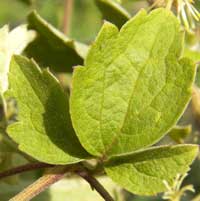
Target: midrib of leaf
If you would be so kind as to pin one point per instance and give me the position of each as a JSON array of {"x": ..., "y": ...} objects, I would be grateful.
[{"x": 115, "y": 138}]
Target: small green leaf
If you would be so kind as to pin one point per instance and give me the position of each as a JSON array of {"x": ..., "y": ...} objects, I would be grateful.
[
  {"x": 134, "y": 86},
  {"x": 44, "y": 129},
  {"x": 113, "y": 12},
  {"x": 144, "y": 172},
  {"x": 179, "y": 133},
  {"x": 12, "y": 42},
  {"x": 52, "y": 48}
]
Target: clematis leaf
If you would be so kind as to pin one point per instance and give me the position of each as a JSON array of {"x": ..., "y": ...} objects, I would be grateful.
[
  {"x": 121, "y": 99},
  {"x": 144, "y": 172},
  {"x": 43, "y": 129},
  {"x": 113, "y": 12},
  {"x": 52, "y": 48}
]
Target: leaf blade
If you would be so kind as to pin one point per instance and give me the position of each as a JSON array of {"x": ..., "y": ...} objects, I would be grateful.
[
  {"x": 113, "y": 12},
  {"x": 44, "y": 129},
  {"x": 121, "y": 100},
  {"x": 143, "y": 172},
  {"x": 52, "y": 48}
]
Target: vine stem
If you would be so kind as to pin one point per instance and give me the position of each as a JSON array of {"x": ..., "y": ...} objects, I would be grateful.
[
  {"x": 24, "y": 168},
  {"x": 95, "y": 184},
  {"x": 68, "y": 7},
  {"x": 52, "y": 176},
  {"x": 169, "y": 4}
]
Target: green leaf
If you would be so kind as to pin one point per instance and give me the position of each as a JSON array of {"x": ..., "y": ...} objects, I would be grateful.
[
  {"x": 44, "y": 129},
  {"x": 144, "y": 172},
  {"x": 113, "y": 12},
  {"x": 12, "y": 42},
  {"x": 134, "y": 86},
  {"x": 179, "y": 133},
  {"x": 52, "y": 48}
]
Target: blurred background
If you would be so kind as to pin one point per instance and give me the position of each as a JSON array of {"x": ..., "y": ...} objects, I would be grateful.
[
  {"x": 85, "y": 17},
  {"x": 83, "y": 24}
]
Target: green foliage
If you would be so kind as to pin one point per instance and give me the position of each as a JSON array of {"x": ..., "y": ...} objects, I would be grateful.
[
  {"x": 125, "y": 89},
  {"x": 129, "y": 89},
  {"x": 113, "y": 12},
  {"x": 51, "y": 46},
  {"x": 144, "y": 172},
  {"x": 44, "y": 129}
]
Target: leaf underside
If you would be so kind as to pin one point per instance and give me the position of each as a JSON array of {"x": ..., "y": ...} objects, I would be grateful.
[
  {"x": 143, "y": 173},
  {"x": 43, "y": 129},
  {"x": 133, "y": 87},
  {"x": 113, "y": 12},
  {"x": 52, "y": 48}
]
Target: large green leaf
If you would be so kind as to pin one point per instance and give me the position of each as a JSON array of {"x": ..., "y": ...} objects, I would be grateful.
[
  {"x": 12, "y": 42},
  {"x": 44, "y": 129},
  {"x": 144, "y": 172},
  {"x": 52, "y": 48},
  {"x": 134, "y": 86},
  {"x": 113, "y": 12}
]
